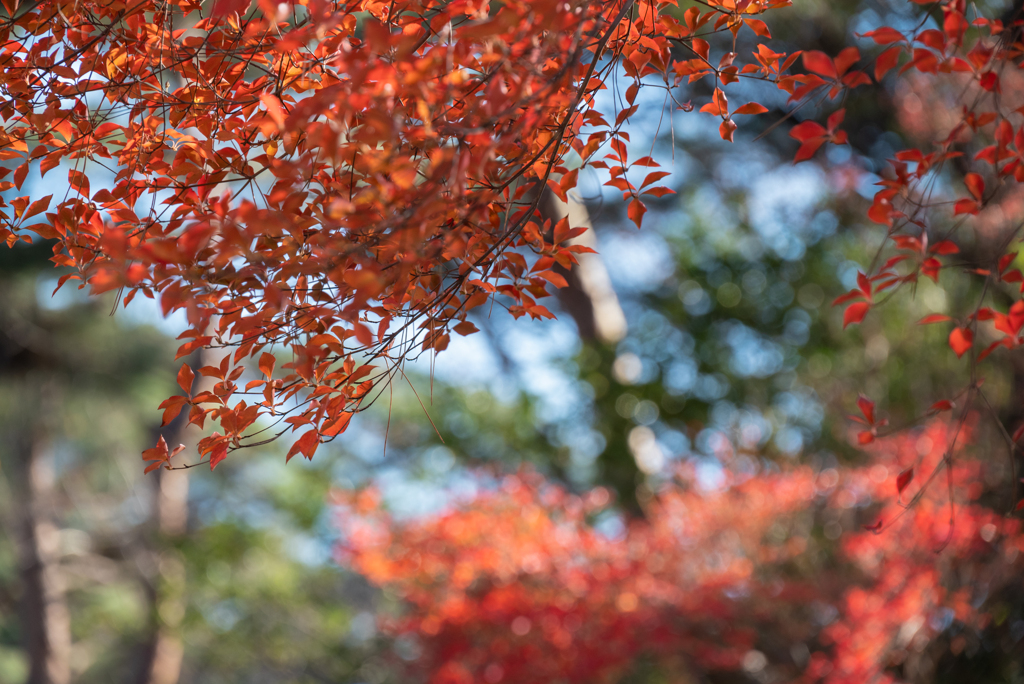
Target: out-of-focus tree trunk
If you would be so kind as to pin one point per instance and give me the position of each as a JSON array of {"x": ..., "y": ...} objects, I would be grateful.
[
  {"x": 590, "y": 298},
  {"x": 45, "y": 618},
  {"x": 166, "y": 584}
]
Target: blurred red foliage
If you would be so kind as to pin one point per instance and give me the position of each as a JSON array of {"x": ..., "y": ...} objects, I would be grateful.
[{"x": 517, "y": 585}]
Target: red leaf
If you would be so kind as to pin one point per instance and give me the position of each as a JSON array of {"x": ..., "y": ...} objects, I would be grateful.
[
  {"x": 975, "y": 185},
  {"x": 267, "y": 361},
  {"x": 306, "y": 445},
  {"x": 903, "y": 479},
  {"x": 20, "y": 174},
  {"x": 867, "y": 407},
  {"x": 835, "y": 119},
  {"x": 185, "y": 378},
  {"x": 807, "y": 130},
  {"x": 876, "y": 528},
  {"x": 37, "y": 207},
  {"x": 846, "y": 59},
  {"x": 884, "y": 35},
  {"x": 636, "y": 211},
  {"x": 654, "y": 177},
  {"x": 865, "y": 437},
  {"x": 219, "y": 453},
  {"x": 855, "y": 313},
  {"x": 864, "y": 283},
  {"x": 751, "y": 108},
  {"x": 157, "y": 453},
  {"x": 887, "y": 61},
  {"x": 933, "y": 318},
  {"x": 758, "y": 27},
  {"x": 944, "y": 247},
  {"x": 467, "y": 328},
  {"x": 961, "y": 340},
  {"x": 852, "y": 294},
  {"x": 939, "y": 406},
  {"x": 172, "y": 407},
  {"x": 808, "y": 149},
  {"x": 965, "y": 206},
  {"x": 819, "y": 63},
  {"x": 555, "y": 279},
  {"x": 726, "y": 129},
  {"x": 719, "y": 106},
  {"x": 223, "y": 8}
]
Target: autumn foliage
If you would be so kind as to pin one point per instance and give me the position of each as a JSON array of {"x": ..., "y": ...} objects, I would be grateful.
[
  {"x": 517, "y": 585},
  {"x": 342, "y": 182}
]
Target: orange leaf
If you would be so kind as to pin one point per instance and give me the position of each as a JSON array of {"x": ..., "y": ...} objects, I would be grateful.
[
  {"x": 719, "y": 105},
  {"x": 267, "y": 362},
  {"x": 157, "y": 453},
  {"x": 37, "y": 207},
  {"x": 751, "y": 108},
  {"x": 20, "y": 174},
  {"x": 758, "y": 27},
  {"x": 466, "y": 327},
  {"x": 172, "y": 407},
  {"x": 185, "y": 378},
  {"x": 219, "y": 453}
]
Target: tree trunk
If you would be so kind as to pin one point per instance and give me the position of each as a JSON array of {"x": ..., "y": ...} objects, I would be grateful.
[
  {"x": 590, "y": 298},
  {"x": 166, "y": 583},
  {"x": 46, "y": 622}
]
